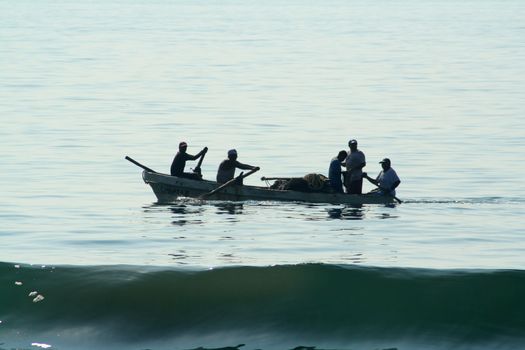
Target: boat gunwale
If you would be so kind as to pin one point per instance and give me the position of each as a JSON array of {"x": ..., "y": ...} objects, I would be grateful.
[{"x": 195, "y": 188}]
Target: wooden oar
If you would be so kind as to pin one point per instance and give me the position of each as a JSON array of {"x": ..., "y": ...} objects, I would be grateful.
[
  {"x": 232, "y": 181},
  {"x": 197, "y": 169},
  {"x": 140, "y": 165},
  {"x": 275, "y": 178}
]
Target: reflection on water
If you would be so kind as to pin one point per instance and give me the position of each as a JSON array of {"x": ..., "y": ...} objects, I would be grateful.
[
  {"x": 359, "y": 212},
  {"x": 386, "y": 216},
  {"x": 184, "y": 214},
  {"x": 356, "y": 212},
  {"x": 232, "y": 208},
  {"x": 262, "y": 232},
  {"x": 189, "y": 212}
]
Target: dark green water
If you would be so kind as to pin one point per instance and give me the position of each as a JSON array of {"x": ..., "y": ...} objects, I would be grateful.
[{"x": 328, "y": 306}]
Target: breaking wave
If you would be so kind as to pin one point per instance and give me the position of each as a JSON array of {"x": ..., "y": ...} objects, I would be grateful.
[{"x": 275, "y": 307}]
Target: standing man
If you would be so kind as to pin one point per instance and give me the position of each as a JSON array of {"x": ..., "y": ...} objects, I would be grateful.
[
  {"x": 334, "y": 172},
  {"x": 387, "y": 180},
  {"x": 354, "y": 162},
  {"x": 226, "y": 170},
  {"x": 179, "y": 162}
]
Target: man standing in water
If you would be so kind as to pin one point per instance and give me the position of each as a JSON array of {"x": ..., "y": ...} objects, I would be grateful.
[
  {"x": 354, "y": 162},
  {"x": 179, "y": 162},
  {"x": 226, "y": 170},
  {"x": 387, "y": 180}
]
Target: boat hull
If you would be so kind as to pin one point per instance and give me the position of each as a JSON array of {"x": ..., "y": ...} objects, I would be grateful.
[{"x": 169, "y": 188}]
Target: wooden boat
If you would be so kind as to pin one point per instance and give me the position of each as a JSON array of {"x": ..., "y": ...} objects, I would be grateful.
[{"x": 168, "y": 188}]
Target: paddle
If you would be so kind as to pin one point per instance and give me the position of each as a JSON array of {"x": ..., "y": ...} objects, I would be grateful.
[
  {"x": 140, "y": 165},
  {"x": 275, "y": 178},
  {"x": 197, "y": 169},
  {"x": 232, "y": 181}
]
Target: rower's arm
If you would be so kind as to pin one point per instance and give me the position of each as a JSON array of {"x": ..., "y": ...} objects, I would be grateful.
[
  {"x": 244, "y": 166},
  {"x": 198, "y": 155},
  {"x": 374, "y": 181}
]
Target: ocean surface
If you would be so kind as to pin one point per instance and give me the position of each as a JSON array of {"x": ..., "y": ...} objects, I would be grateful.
[{"x": 90, "y": 260}]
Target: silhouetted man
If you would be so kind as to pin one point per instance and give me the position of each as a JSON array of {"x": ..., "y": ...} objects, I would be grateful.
[
  {"x": 387, "y": 180},
  {"x": 227, "y": 167},
  {"x": 334, "y": 172},
  {"x": 354, "y": 162},
  {"x": 179, "y": 162}
]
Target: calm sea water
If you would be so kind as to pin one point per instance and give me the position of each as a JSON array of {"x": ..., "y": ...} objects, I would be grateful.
[{"x": 437, "y": 86}]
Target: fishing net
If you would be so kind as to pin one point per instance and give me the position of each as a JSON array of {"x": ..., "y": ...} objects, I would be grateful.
[{"x": 308, "y": 183}]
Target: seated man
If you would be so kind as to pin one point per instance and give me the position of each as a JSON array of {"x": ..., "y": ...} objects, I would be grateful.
[
  {"x": 387, "y": 180},
  {"x": 334, "y": 172},
  {"x": 227, "y": 167},
  {"x": 179, "y": 162}
]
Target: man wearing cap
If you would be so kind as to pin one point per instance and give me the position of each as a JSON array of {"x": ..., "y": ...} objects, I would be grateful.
[
  {"x": 179, "y": 162},
  {"x": 387, "y": 180},
  {"x": 227, "y": 167},
  {"x": 354, "y": 162}
]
